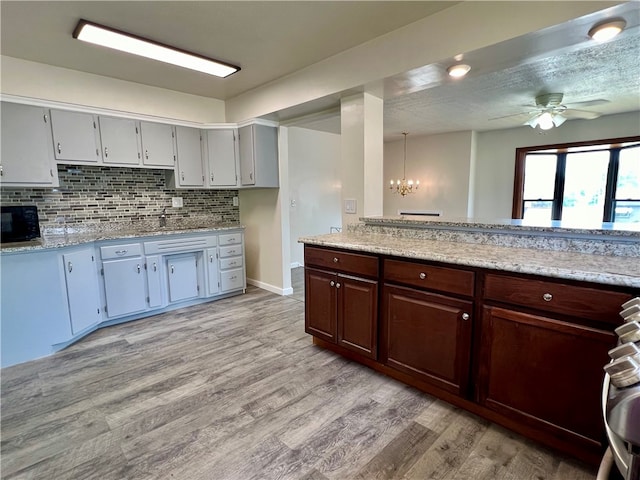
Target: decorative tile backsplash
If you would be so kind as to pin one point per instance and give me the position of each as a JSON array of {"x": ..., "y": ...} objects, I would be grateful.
[{"x": 90, "y": 194}]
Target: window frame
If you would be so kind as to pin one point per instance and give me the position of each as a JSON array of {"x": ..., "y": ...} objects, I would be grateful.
[{"x": 561, "y": 150}]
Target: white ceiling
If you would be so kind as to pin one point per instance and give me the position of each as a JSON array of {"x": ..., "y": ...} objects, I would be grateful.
[{"x": 272, "y": 39}]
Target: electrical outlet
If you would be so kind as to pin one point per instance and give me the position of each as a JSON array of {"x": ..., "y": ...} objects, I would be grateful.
[
  {"x": 235, "y": 201},
  {"x": 176, "y": 202}
]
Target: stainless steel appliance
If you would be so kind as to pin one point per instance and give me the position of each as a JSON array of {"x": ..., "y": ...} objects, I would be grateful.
[
  {"x": 621, "y": 397},
  {"x": 19, "y": 223}
]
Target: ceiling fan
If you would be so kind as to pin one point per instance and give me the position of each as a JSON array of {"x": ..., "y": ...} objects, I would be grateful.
[{"x": 549, "y": 111}]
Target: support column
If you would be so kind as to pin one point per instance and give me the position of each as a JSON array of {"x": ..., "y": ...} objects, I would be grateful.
[{"x": 362, "y": 155}]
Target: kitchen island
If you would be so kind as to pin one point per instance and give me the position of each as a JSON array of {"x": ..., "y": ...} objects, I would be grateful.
[{"x": 511, "y": 322}]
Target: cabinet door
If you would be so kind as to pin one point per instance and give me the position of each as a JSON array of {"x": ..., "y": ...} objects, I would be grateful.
[
  {"x": 213, "y": 280},
  {"x": 320, "y": 304},
  {"x": 544, "y": 372},
  {"x": 154, "y": 280},
  {"x": 189, "y": 166},
  {"x": 247, "y": 155},
  {"x": 183, "y": 277},
  {"x": 427, "y": 336},
  {"x": 82, "y": 289},
  {"x": 124, "y": 286},
  {"x": 221, "y": 157},
  {"x": 357, "y": 314},
  {"x": 75, "y": 137},
  {"x": 119, "y": 141},
  {"x": 27, "y": 157},
  {"x": 158, "y": 144}
]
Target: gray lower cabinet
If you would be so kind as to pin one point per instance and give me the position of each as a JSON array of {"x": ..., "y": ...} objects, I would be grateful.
[
  {"x": 182, "y": 271},
  {"x": 153, "y": 265},
  {"x": 213, "y": 277},
  {"x": 124, "y": 286},
  {"x": 27, "y": 156},
  {"x": 81, "y": 278}
]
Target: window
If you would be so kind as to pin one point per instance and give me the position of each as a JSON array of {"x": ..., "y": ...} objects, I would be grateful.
[{"x": 583, "y": 182}]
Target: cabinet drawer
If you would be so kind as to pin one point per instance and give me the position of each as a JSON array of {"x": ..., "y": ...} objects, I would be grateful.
[
  {"x": 450, "y": 280},
  {"x": 121, "y": 251},
  {"x": 231, "y": 280},
  {"x": 230, "y": 239},
  {"x": 584, "y": 302},
  {"x": 230, "y": 251},
  {"x": 344, "y": 262},
  {"x": 233, "y": 262}
]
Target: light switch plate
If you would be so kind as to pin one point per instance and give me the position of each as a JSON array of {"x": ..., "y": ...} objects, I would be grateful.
[
  {"x": 350, "y": 205},
  {"x": 176, "y": 202}
]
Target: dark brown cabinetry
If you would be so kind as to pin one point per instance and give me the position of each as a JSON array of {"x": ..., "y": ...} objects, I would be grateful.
[
  {"x": 427, "y": 334},
  {"x": 544, "y": 372},
  {"x": 341, "y": 304}
]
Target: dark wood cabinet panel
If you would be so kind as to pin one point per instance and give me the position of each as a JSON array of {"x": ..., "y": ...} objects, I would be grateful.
[
  {"x": 358, "y": 314},
  {"x": 428, "y": 336},
  {"x": 444, "y": 279},
  {"x": 577, "y": 301},
  {"x": 544, "y": 372},
  {"x": 339, "y": 261},
  {"x": 320, "y": 304}
]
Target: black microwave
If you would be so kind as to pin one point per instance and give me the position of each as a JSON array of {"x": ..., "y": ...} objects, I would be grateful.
[{"x": 19, "y": 223}]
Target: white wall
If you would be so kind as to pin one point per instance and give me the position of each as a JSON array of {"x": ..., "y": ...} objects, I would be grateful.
[
  {"x": 314, "y": 186},
  {"x": 495, "y": 155},
  {"x": 443, "y": 165},
  {"x": 46, "y": 82}
]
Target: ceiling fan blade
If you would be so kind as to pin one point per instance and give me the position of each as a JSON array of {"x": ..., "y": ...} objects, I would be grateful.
[
  {"x": 588, "y": 103},
  {"x": 513, "y": 115},
  {"x": 584, "y": 114}
]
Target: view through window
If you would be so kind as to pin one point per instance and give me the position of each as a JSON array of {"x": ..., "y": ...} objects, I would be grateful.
[{"x": 579, "y": 183}]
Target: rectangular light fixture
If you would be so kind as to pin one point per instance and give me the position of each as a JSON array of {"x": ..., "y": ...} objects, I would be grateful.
[{"x": 125, "y": 42}]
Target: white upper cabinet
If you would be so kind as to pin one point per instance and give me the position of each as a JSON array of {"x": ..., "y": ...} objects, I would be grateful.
[
  {"x": 120, "y": 141},
  {"x": 75, "y": 137},
  {"x": 258, "y": 156},
  {"x": 158, "y": 145},
  {"x": 222, "y": 158},
  {"x": 27, "y": 151},
  {"x": 189, "y": 170}
]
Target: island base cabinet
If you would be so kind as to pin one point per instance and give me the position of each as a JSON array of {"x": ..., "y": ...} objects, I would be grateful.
[
  {"x": 428, "y": 336},
  {"x": 343, "y": 310},
  {"x": 544, "y": 372}
]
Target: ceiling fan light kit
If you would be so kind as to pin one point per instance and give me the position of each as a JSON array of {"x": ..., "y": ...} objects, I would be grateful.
[
  {"x": 604, "y": 31},
  {"x": 126, "y": 42}
]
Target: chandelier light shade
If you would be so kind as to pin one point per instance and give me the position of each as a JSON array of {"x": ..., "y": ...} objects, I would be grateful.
[{"x": 404, "y": 186}]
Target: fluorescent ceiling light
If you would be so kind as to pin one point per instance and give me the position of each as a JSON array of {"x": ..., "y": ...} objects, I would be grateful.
[
  {"x": 606, "y": 31},
  {"x": 125, "y": 42},
  {"x": 458, "y": 71}
]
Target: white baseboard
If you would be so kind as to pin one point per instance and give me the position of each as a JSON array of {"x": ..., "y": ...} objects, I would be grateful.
[{"x": 270, "y": 288}]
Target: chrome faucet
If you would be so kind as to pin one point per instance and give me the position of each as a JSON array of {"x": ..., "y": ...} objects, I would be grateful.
[{"x": 163, "y": 217}]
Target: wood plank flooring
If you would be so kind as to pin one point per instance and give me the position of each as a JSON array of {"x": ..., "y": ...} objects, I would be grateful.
[{"x": 235, "y": 390}]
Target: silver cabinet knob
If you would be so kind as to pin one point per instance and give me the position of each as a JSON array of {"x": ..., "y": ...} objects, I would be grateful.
[
  {"x": 547, "y": 297},
  {"x": 70, "y": 267},
  {"x": 338, "y": 285},
  {"x": 466, "y": 316},
  {"x": 422, "y": 275},
  {"x": 106, "y": 152},
  {"x": 210, "y": 258},
  {"x": 332, "y": 283},
  {"x": 155, "y": 266},
  {"x": 59, "y": 148},
  {"x": 335, "y": 259},
  {"x": 138, "y": 268},
  {"x": 171, "y": 268}
]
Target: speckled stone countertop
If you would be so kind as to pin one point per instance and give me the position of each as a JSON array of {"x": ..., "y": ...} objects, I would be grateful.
[
  {"x": 57, "y": 238},
  {"x": 622, "y": 271},
  {"x": 613, "y": 230}
]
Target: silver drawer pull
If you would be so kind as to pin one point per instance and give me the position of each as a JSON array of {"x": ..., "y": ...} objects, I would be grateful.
[
  {"x": 231, "y": 251},
  {"x": 231, "y": 240},
  {"x": 335, "y": 259},
  {"x": 233, "y": 278},
  {"x": 465, "y": 316},
  {"x": 232, "y": 263},
  {"x": 332, "y": 283},
  {"x": 422, "y": 275},
  {"x": 547, "y": 297},
  {"x": 121, "y": 252}
]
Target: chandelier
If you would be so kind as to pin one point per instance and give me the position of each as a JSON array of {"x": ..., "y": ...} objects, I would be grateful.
[{"x": 404, "y": 186}]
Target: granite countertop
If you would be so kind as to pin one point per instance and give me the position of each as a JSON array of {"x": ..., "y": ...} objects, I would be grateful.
[
  {"x": 56, "y": 238},
  {"x": 622, "y": 271},
  {"x": 618, "y": 230}
]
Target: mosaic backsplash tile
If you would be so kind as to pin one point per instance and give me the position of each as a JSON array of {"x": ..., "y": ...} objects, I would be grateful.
[{"x": 92, "y": 194}]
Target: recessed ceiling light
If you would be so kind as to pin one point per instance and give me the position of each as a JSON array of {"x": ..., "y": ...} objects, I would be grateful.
[
  {"x": 126, "y": 42},
  {"x": 458, "y": 71},
  {"x": 607, "y": 30}
]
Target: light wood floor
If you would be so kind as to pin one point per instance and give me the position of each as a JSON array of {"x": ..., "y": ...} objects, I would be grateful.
[{"x": 235, "y": 390}]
